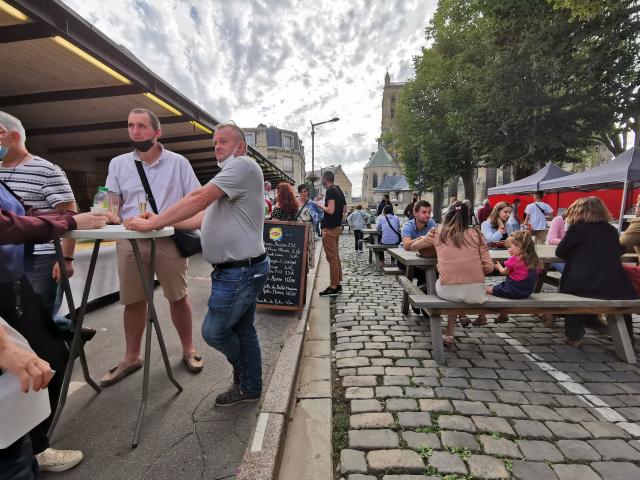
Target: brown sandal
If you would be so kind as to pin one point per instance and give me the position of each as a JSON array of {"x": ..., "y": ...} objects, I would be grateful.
[
  {"x": 464, "y": 320},
  {"x": 502, "y": 318},
  {"x": 448, "y": 341},
  {"x": 119, "y": 372},
  {"x": 478, "y": 322},
  {"x": 193, "y": 363}
]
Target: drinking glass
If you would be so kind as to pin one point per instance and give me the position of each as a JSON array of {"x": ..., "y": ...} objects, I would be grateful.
[{"x": 142, "y": 204}]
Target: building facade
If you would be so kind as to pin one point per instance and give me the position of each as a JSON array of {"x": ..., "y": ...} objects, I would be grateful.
[
  {"x": 379, "y": 166},
  {"x": 390, "y": 97},
  {"x": 282, "y": 147},
  {"x": 340, "y": 179}
]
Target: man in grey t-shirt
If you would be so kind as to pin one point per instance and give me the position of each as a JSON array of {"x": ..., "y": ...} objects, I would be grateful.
[{"x": 230, "y": 211}]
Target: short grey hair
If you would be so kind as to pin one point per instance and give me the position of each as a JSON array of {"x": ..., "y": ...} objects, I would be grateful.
[
  {"x": 12, "y": 124},
  {"x": 153, "y": 118},
  {"x": 232, "y": 125}
]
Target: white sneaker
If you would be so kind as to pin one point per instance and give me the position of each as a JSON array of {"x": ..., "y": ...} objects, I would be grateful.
[{"x": 52, "y": 460}]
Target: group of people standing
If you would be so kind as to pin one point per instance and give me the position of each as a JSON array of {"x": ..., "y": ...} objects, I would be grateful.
[{"x": 37, "y": 205}]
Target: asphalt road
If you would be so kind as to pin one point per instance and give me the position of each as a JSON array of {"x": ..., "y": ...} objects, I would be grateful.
[{"x": 184, "y": 436}]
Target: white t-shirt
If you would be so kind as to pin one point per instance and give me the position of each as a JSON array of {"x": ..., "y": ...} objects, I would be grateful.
[
  {"x": 537, "y": 212},
  {"x": 171, "y": 178},
  {"x": 233, "y": 225},
  {"x": 41, "y": 185}
]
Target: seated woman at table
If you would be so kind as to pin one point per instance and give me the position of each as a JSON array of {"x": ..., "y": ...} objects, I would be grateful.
[
  {"x": 557, "y": 231},
  {"x": 388, "y": 226},
  {"x": 521, "y": 270},
  {"x": 630, "y": 238},
  {"x": 286, "y": 207},
  {"x": 463, "y": 261},
  {"x": 593, "y": 268},
  {"x": 495, "y": 228}
]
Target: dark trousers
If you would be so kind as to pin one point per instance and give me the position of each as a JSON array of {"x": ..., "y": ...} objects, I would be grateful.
[
  {"x": 17, "y": 461},
  {"x": 418, "y": 274},
  {"x": 574, "y": 325},
  {"x": 36, "y": 326},
  {"x": 358, "y": 236}
]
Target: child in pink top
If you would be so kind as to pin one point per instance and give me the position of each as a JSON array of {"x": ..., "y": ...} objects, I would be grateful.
[{"x": 521, "y": 268}]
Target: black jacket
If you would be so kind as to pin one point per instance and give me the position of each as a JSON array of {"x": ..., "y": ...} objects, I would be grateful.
[{"x": 593, "y": 267}]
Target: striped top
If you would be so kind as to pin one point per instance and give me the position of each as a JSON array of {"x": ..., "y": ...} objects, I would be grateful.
[{"x": 41, "y": 185}]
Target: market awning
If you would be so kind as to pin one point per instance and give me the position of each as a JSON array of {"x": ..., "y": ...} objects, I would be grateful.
[
  {"x": 72, "y": 87},
  {"x": 623, "y": 169},
  {"x": 531, "y": 183}
]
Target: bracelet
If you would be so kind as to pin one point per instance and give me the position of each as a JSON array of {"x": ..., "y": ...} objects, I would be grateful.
[{"x": 69, "y": 259}]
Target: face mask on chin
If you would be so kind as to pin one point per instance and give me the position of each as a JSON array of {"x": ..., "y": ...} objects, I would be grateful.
[
  {"x": 232, "y": 156},
  {"x": 143, "y": 145},
  {"x": 3, "y": 151}
]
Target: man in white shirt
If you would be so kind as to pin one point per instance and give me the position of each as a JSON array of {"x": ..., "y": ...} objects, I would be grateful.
[
  {"x": 171, "y": 178},
  {"x": 536, "y": 216}
]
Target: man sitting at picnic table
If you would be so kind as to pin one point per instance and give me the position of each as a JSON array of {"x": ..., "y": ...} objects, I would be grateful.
[{"x": 416, "y": 228}]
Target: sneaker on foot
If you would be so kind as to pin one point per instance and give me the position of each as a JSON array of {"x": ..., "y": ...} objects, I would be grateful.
[
  {"x": 233, "y": 396},
  {"x": 339, "y": 288},
  {"x": 329, "y": 292},
  {"x": 52, "y": 460}
]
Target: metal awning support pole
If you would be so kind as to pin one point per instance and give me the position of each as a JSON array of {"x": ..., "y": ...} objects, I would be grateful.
[{"x": 623, "y": 205}]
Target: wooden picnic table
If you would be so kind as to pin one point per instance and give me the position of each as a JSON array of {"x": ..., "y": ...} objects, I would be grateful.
[
  {"x": 411, "y": 261},
  {"x": 373, "y": 239}
]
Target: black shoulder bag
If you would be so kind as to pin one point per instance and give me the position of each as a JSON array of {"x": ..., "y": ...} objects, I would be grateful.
[{"x": 187, "y": 241}]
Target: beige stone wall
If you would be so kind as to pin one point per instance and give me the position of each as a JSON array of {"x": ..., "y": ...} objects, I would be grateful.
[
  {"x": 344, "y": 183},
  {"x": 368, "y": 196},
  {"x": 278, "y": 155}
]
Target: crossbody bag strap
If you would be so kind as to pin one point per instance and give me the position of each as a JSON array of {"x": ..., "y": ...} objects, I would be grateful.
[
  {"x": 147, "y": 187},
  {"x": 13, "y": 194},
  {"x": 540, "y": 208},
  {"x": 301, "y": 209},
  {"x": 393, "y": 229}
]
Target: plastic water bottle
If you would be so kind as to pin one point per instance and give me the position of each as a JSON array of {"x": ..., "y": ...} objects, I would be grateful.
[{"x": 101, "y": 200}]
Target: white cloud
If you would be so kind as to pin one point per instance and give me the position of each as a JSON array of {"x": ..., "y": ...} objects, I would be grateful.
[{"x": 278, "y": 62}]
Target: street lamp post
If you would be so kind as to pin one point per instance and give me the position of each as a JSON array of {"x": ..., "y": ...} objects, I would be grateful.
[{"x": 313, "y": 135}]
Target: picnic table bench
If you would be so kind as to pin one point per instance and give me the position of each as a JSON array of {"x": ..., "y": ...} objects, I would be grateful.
[
  {"x": 377, "y": 247},
  {"x": 434, "y": 307}
]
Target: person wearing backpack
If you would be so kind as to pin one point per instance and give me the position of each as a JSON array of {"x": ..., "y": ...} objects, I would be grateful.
[
  {"x": 536, "y": 216},
  {"x": 388, "y": 225},
  {"x": 358, "y": 220}
]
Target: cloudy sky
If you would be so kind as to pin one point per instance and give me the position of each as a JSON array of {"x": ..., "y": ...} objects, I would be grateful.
[{"x": 277, "y": 62}]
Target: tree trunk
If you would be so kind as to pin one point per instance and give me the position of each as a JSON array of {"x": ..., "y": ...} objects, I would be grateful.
[
  {"x": 469, "y": 185},
  {"x": 438, "y": 196},
  {"x": 452, "y": 188}
]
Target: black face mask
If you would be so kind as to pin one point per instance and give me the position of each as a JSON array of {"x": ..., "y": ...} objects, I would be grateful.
[{"x": 144, "y": 145}]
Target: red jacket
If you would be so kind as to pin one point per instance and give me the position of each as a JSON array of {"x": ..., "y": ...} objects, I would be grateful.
[{"x": 32, "y": 227}]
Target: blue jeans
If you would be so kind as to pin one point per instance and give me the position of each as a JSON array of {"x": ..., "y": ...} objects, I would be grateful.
[
  {"x": 558, "y": 266},
  {"x": 17, "y": 461},
  {"x": 229, "y": 325},
  {"x": 50, "y": 291}
]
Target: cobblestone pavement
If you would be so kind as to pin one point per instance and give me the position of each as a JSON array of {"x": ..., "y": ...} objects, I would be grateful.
[{"x": 513, "y": 401}]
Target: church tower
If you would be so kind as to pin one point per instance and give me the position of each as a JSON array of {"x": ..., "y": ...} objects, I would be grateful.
[{"x": 390, "y": 98}]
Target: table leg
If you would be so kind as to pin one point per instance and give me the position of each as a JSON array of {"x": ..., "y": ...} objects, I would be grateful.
[
  {"x": 148, "y": 285},
  {"x": 437, "y": 345},
  {"x": 77, "y": 348},
  {"x": 541, "y": 278},
  {"x": 431, "y": 280},
  {"x": 405, "y": 295},
  {"x": 620, "y": 338}
]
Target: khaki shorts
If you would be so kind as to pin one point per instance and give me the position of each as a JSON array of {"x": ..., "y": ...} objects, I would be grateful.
[
  {"x": 462, "y": 292},
  {"x": 170, "y": 268}
]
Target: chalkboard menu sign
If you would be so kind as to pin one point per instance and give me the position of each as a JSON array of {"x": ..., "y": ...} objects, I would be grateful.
[{"x": 286, "y": 245}]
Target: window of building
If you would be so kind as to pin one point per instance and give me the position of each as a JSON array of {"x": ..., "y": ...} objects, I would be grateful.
[
  {"x": 364, "y": 180},
  {"x": 393, "y": 107},
  {"x": 251, "y": 139},
  {"x": 287, "y": 141},
  {"x": 287, "y": 164},
  {"x": 375, "y": 180}
]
